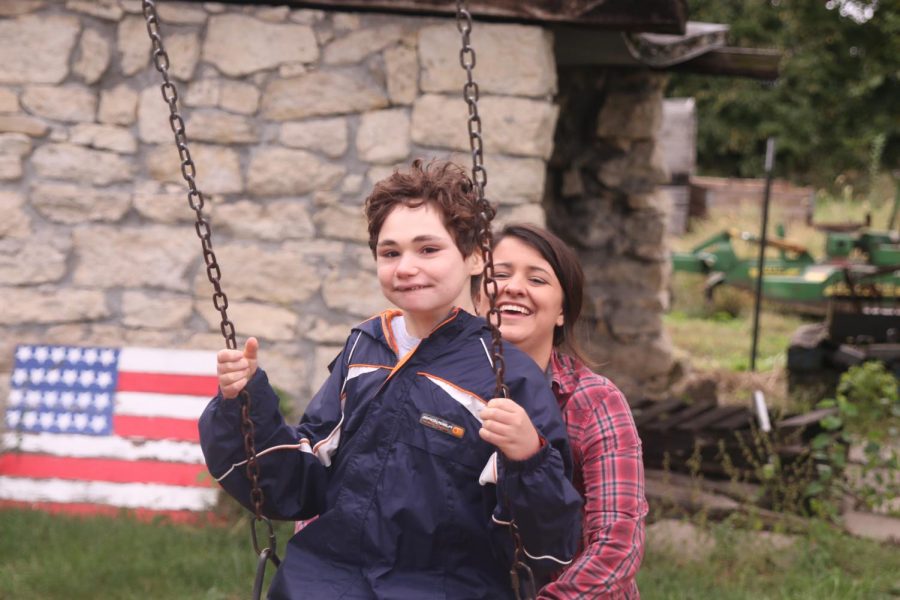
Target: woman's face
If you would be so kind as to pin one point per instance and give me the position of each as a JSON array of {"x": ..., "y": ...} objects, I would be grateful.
[{"x": 529, "y": 297}]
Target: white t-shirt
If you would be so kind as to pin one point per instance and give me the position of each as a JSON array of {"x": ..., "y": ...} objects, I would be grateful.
[{"x": 405, "y": 341}]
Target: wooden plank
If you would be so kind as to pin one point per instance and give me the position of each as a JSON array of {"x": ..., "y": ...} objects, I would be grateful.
[
  {"x": 806, "y": 419},
  {"x": 683, "y": 416},
  {"x": 646, "y": 415},
  {"x": 709, "y": 418},
  {"x": 659, "y": 16},
  {"x": 754, "y": 63}
]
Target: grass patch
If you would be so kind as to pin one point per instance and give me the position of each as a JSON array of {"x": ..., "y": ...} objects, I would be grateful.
[
  {"x": 51, "y": 557},
  {"x": 825, "y": 564}
]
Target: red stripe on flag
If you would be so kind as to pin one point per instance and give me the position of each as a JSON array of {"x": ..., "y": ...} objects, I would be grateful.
[
  {"x": 141, "y": 514},
  {"x": 37, "y": 466},
  {"x": 165, "y": 383},
  {"x": 156, "y": 428}
]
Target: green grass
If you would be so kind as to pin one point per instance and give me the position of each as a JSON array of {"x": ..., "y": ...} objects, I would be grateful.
[
  {"x": 823, "y": 565},
  {"x": 48, "y": 557},
  {"x": 44, "y": 557},
  {"x": 718, "y": 335}
]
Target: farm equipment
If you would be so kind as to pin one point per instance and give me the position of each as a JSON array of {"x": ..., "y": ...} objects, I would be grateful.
[{"x": 860, "y": 263}]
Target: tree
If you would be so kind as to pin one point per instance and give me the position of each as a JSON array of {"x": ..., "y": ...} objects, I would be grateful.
[{"x": 838, "y": 95}]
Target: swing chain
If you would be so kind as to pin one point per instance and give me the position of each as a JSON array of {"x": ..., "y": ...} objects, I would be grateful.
[
  {"x": 479, "y": 179},
  {"x": 520, "y": 574},
  {"x": 214, "y": 274}
]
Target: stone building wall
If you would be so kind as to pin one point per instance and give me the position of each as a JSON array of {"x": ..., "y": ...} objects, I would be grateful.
[
  {"x": 603, "y": 199},
  {"x": 292, "y": 115}
]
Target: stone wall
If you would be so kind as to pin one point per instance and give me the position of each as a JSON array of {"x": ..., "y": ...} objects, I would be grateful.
[
  {"x": 603, "y": 199},
  {"x": 292, "y": 115}
]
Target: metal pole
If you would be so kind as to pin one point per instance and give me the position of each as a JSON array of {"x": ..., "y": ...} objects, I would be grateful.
[{"x": 770, "y": 160}]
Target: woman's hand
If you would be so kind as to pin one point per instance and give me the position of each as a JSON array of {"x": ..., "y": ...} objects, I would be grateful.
[
  {"x": 506, "y": 425},
  {"x": 235, "y": 368}
]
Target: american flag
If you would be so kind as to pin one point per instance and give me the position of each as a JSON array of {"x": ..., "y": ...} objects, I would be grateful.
[{"x": 98, "y": 430}]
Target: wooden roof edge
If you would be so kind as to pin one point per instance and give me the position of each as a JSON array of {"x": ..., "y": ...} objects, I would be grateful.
[{"x": 656, "y": 16}]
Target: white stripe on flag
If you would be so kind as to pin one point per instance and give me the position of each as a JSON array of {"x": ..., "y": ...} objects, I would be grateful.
[
  {"x": 159, "y": 360},
  {"x": 90, "y": 446},
  {"x": 125, "y": 495},
  {"x": 140, "y": 404}
]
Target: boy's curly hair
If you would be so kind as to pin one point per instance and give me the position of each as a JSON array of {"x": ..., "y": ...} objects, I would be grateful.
[{"x": 442, "y": 184}]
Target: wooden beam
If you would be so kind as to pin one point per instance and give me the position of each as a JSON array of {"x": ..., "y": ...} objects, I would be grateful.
[
  {"x": 658, "y": 16},
  {"x": 755, "y": 63}
]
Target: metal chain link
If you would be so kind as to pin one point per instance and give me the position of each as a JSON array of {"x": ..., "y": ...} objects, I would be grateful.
[
  {"x": 520, "y": 574},
  {"x": 479, "y": 179},
  {"x": 213, "y": 271}
]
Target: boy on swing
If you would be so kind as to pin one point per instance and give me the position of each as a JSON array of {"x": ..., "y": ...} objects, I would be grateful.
[{"x": 414, "y": 470}]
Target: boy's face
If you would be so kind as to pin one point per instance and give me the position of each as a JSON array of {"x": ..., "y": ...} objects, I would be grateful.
[{"x": 419, "y": 266}]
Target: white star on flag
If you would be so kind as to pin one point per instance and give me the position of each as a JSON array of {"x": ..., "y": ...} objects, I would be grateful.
[
  {"x": 42, "y": 354},
  {"x": 12, "y": 418},
  {"x": 84, "y": 399},
  {"x": 50, "y": 398},
  {"x": 70, "y": 376},
  {"x": 104, "y": 379},
  {"x": 37, "y": 376},
  {"x": 57, "y": 354},
  {"x": 74, "y": 355},
  {"x": 107, "y": 357},
  {"x": 101, "y": 401},
  {"x": 16, "y": 397},
  {"x": 29, "y": 419},
  {"x": 23, "y": 353},
  {"x": 20, "y": 376},
  {"x": 67, "y": 399},
  {"x": 98, "y": 423},
  {"x": 53, "y": 376},
  {"x": 47, "y": 419},
  {"x": 89, "y": 356},
  {"x": 33, "y": 397},
  {"x": 63, "y": 420},
  {"x": 86, "y": 378},
  {"x": 81, "y": 421}
]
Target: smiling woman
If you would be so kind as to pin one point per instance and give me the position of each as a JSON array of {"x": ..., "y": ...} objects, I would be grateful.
[{"x": 540, "y": 286}]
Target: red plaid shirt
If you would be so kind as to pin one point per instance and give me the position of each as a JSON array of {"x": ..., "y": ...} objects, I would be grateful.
[{"x": 609, "y": 474}]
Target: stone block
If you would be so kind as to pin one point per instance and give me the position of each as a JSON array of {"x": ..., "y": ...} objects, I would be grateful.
[
  {"x": 357, "y": 45},
  {"x": 74, "y": 163},
  {"x": 322, "y": 93},
  {"x": 515, "y": 60},
  {"x": 254, "y": 272},
  {"x": 14, "y": 8},
  {"x": 218, "y": 167},
  {"x": 276, "y": 221},
  {"x": 36, "y": 48},
  {"x": 264, "y": 321},
  {"x": 108, "y": 10},
  {"x": 220, "y": 127},
  {"x": 239, "y": 97},
  {"x": 36, "y": 259},
  {"x": 328, "y": 136},
  {"x": 132, "y": 257},
  {"x": 93, "y": 57},
  {"x": 153, "y": 118},
  {"x": 30, "y": 126},
  {"x": 239, "y": 45},
  {"x": 284, "y": 172},
  {"x": 104, "y": 137},
  {"x": 68, "y": 103},
  {"x": 516, "y": 126},
  {"x": 73, "y": 204},
  {"x": 118, "y": 105},
  {"x": 401, "y": 65},
  {"x": 631, "y": 116},
  {"x": 156, "y": 310},
  {"x": 15, "y": 222},
  {"x": 355, "y": 292},
  {"x": 48, "y": 305},
  {"x": 184, "y": 54},
  {"x": 167, "y": 205},
  {"x": 181, "y": 13},
  {"x": 383, "y": 136},
  {"x": 133, "y": 45},
  {"x": 9, "y": 101},
  {"x": 343, "y": 223}
]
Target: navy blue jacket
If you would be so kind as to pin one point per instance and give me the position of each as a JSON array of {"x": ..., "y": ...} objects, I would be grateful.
[{"x": 412, "y": 503}]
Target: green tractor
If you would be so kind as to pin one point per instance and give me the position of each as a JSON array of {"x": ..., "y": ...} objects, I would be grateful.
[{"x": 856, "y": 286}]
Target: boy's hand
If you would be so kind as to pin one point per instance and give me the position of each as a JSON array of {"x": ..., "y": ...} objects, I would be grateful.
[
  {"x": 507, "y": 426},
  {"x": 235, "y": 368}
]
